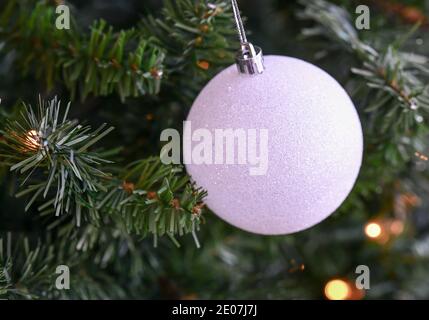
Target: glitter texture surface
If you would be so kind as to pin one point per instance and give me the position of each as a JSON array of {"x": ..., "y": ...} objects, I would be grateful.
[{"x": 314, "y": 152}]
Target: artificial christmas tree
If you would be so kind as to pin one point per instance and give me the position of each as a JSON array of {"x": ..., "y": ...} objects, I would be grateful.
[{"x": 98, "y": 200}]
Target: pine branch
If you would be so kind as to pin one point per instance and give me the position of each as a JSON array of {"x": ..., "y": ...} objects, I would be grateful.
[
  {"x": 197, "y": 36},
  {"x": 131, "y": 63},
  {"x": 51, "y": 155},
  {"x": 23, "y": 268},
  {"x": 99, "y": 63},
  {"x": 48, "y": 144},
  {"x": 28, "y": 270},
  {"x": 155, "y": 199}
]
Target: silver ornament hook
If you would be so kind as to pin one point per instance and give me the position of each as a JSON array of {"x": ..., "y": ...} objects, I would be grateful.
[
  {"x": 249, "y": 58},
  {"x": 239, "y": 22}
]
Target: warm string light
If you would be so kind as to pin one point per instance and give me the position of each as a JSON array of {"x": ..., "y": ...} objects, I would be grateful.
[
  {"x": 338, "y": 289},
  {"x": 396, "y": 227},
  {"x": 32, "y": 140},
  {"x": 421, "y": 156},
  {"x": 373, "y": 230},
  {"x": 342, "y": 289},
  {"x": 404, "y": 203},
  {"x": 383, "y": 230},
  {"x": 411, "y": 200},
  {"x": 296, "y": 267}
]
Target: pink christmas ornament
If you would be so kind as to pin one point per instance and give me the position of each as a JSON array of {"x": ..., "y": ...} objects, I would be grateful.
[{"x": 314, "y": 154}]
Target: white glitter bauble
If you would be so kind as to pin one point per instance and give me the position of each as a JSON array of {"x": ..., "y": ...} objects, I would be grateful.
[{"x": 314, "y": 150}]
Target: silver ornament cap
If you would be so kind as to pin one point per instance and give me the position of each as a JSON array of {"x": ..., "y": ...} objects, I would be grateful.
[{"x": 250, "y": 59}]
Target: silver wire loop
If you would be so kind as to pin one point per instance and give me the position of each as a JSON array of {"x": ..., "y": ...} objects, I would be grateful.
[
  {"x": 239, "y": 22},
  {"x": 249, "y": 59}
]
